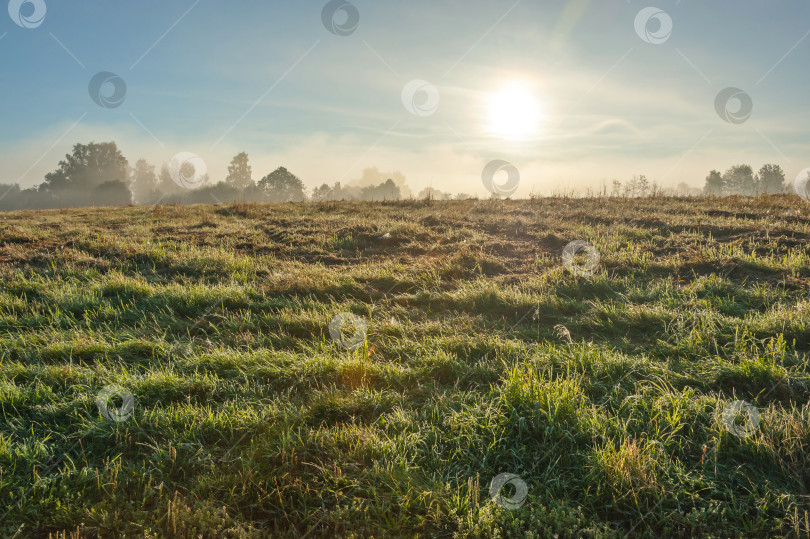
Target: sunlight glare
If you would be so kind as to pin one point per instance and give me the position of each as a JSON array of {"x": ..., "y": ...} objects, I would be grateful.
[{"x": 514, "y": 113}]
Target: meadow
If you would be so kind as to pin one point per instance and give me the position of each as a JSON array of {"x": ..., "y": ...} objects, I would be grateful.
[{"x": 170, "y": 371}]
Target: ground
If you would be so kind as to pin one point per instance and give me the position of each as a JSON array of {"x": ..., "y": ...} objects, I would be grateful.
[{"x": 233, "y": 412}]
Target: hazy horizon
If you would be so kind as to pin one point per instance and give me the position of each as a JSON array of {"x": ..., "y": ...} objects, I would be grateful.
[{"x": 571, "y": 93}]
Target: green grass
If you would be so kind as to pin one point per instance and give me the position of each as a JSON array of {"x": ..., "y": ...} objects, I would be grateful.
[{"x": 605, "y": 394}]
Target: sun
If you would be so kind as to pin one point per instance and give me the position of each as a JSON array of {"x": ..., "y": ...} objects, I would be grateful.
[{"x": 514, "y": 113}]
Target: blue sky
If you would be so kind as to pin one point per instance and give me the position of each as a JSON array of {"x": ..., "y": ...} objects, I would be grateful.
[{"x": 216, "y": 78}]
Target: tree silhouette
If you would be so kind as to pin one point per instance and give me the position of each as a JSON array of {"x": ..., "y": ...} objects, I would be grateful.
[
  {"x": 771, "y": 179},
  {"x": 113, "y": 193},
  {"x": 240, "y": 172},
  {"x": 714, "y": 183},
  {"x": 144, "y": 183},
  {"x": 739, "y": 180},
  {"x": 166, "y": 184},
  {"x": 92, "y": 174},
  {"x": 281, "y": 185},
  {"x": 322, "y": 193},
  {"x": 387, "y": 190},
  {"x": 88, "y": 166}
]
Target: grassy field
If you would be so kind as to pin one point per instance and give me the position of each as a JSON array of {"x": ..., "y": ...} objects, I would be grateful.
[{"x": 234, "y": 413}]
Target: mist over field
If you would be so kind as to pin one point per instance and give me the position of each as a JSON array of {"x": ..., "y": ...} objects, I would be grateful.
[
  {"x": 404, "y": 269},
  {"x": 573, "y": 94}
]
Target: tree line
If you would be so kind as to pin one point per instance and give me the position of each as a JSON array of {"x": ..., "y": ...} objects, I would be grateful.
[
  {"x": 97, "y": 174},
  {"x": 737, "y": 180},
  {"x": 741, "y": 180}
]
